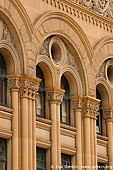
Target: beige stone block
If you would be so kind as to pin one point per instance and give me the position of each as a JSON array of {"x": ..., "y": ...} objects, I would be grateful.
[
  {"x": 19, "y": 22},
  {"x": 101, "y": 151},
  {"x": 7, "y": 4},
  {"x": 5, "y": 124},
  {"x": 67, "y": 141},
  {"x": 42, "y": 134},
  {"x": 2, "y": 3},
  {"x": 45, "y": 27},
  {"x": 41, "y": 30}
]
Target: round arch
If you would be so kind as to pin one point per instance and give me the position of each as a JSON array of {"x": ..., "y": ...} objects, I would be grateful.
[
  {"x": 104, "y": 91},
  {"x": 48, "y": 71},
  {"x": 11, "y": 58},
  {"x": 21, "y": 28},
  {"x": 73, "y": 80},
  {"x": 70, "y": 31}
]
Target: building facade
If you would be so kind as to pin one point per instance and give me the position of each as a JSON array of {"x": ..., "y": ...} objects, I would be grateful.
[{"x": 56, "y": 84}]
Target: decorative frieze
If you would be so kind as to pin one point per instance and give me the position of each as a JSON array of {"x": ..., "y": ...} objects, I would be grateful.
[
  {"x": 88, "y": 10},
  {"x": 90, "y": 107},
  {"x": 27, "y": 85},
  {"x": 5, "y": 33},
  {"x": 55, "y": 95}
]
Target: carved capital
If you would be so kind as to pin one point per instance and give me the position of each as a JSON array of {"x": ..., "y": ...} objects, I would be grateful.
[
  {"x": 108, "y": 113},
  {"x": 27, "y": 85},
  {"x": 90, "y": 107},
  {"x": 55, "y": 95},
  {"x": 76, "y": 102}
]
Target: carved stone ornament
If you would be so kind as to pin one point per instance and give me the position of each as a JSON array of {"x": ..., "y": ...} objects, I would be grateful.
[
  {"x": 90, "y": 108},
  {"x": 102, "y": 7},
  {"x": 5, "y": 33},
  {"x": 101, "y": 72},
  {"x": 70, "y": 59},
  {"x": 76, "y": 103},
  {"x": 108, "y": 114},
  {"x": 26, "y": 85},
  {"x": 44, "y": 50},
  {"x": 55, "y": 95}
]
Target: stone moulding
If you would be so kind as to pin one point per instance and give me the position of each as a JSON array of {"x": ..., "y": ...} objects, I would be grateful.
[{"x": 88, "y": 12}]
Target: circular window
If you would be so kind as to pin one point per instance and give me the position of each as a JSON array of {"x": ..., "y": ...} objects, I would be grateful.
[
  {"x": 56, "y": 52},
  {"x": 110, "y": 73}
]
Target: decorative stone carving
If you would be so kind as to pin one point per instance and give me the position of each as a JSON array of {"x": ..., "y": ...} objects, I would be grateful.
[
  {"x": 101, "y": 72},
  {"x": 55, "y": 95},
  {"x": 26, "y": 85},
  {"x": 90, "y": 107},
  {"x": 70, "y": 59},
  {"x": 5, "y": 33},
  {"x": 44, "y": 50},
  {"x": 108, "y": 114},
  {"x": 76, "y": 103}
]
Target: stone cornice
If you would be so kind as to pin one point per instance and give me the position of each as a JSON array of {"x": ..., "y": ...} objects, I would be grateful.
[{"x": 72, "y": 8}]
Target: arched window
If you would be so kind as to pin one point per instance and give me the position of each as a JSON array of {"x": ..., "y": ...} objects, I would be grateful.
[
  {"x": 65, "y": 106},
  {"x": 40, "y": 104},
  {"x": 99, "y": 117},
  {"x": 3, "y": 89}
]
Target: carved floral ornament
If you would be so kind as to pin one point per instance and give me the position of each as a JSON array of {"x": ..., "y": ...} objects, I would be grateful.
[
  {"x": 5, "y": 33},
  {"x": 26, "y": 85},
  {"x": 108, "y": 115},
  {"x": 46, "y": 50}
]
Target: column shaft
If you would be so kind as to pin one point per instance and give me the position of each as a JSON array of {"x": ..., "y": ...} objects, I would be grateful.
[
  {"x": 30, "y": 155},
  {"x": 53, "y": 135},
  {"x": 24, "y": 120},
  {"x": 78, "y": 138},
  {"x": 110, "y": 142},
  {"x": 87, "y": 142},
  {"x": 15, "y": 136}
]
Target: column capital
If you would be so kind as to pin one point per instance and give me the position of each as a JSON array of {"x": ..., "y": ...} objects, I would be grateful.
[
  {"x": 55, "y": 94},
  {"x": 108, "y": 113},
  {"x": 25, "y": 83},
  {"x": 76, "y": 102},
  {"x": 90, "y": 107}
]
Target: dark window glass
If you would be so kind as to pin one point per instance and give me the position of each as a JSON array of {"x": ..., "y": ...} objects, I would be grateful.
[
  {"x": 2, "y": 81},
  {"x": 40, "y": 104},
  {"x": 65, "y": 106},
  {"x": 66, "y": 162},
  {"x": 40, "y": 159},
  {"x": 99, "y": 117},
  {"x": 101, "y": 166},
  {"x": 3, "y": 154}
]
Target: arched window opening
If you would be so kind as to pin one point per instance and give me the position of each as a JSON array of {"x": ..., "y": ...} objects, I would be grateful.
[
  {"x": 40, "y": 104},
  {"x": 65, "y": 106},
  {"x": 3, "y": 87},
  {"x": 99, "y": 117}
]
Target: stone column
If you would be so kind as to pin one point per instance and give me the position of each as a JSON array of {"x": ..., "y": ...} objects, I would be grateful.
[
  {"x": 76, "y": 104},
  {"x": 13, "y": 84},
  {"x": 29, "y": 87},
  {"x": 108, "y": 116},
  {"x": 90, "y": 110},
  {"x": 55, "y": 97}
]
